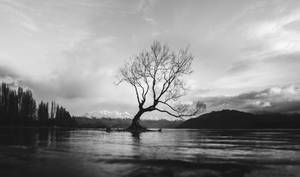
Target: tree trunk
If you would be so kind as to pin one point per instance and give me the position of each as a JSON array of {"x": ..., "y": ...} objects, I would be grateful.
[{"x": 135, "y": 125}]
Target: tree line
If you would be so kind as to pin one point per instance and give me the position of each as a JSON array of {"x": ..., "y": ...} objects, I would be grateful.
[{"x": 18, "y": 108}]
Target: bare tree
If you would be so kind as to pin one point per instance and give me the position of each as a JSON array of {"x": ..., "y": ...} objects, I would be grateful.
[{"x": 157, "y": 78}]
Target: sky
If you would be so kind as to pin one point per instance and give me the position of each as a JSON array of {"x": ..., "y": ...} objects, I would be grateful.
[{"x": 246, "y": 53}]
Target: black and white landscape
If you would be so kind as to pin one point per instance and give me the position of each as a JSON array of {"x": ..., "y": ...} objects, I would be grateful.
[{"x": 144, "y": 88}]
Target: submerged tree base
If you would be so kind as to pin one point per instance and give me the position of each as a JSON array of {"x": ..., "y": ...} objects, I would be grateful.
[{"x": 136, "y": 128}]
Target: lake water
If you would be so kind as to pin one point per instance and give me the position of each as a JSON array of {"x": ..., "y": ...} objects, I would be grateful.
[{"x": 172, "y": 152}]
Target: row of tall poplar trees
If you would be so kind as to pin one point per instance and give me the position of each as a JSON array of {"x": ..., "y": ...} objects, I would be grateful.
[{"x": 18, "y": 108}]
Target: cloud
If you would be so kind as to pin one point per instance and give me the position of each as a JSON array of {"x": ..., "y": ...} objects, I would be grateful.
[
  {"x": 241, "y": 66},
  {"x": 275, "y": 99},
  {"x": 17, "y": 12},
  {"x": 292, "y": 58},
  {"x": 145, "y": 6},
  {"x": 277, "y": 36},
  {"x": 284, "y": 107},
  {"x": 150, "y": 20},
  {"x": 78, "y": 71},
  {"x": 29, "y": 25},
  {"x": 248, "y": 74},
  {"x": 295, "y": 25},
  {"x": 58, "y": 88},
  {"x": 7, "y": 72}
]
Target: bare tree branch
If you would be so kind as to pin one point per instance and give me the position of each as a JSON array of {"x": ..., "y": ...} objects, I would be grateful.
[
  {"x": 158, "y": 74},
  {"x": 184, "y": 110},
  {"x": 171, "y": 114},
  {"x": 137, "y": 93}
]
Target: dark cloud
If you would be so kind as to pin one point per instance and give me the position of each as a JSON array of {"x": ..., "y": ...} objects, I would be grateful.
[
  {"x": 290, "y": 58},
  {"x": 276, "y": 99},
  {"x": 7, "y": 72},
  {"x": 68, "y": 85},
  {"x": 57, "y": 89},
  {"x": 10, "y": 77},
  {"x": 280, "y": 107},
  {"x": 240, "y": 66},
  {"x": 295, "y": 25},
  {"x": 65, "y": 85}
]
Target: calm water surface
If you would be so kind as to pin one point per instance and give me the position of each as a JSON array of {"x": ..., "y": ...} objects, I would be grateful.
[{"x": 93, "y": 152}]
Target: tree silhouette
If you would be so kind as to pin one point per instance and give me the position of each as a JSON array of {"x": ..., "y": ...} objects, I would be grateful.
[
  {"x": 157, "y": 76},
  {"x": 43, "y": 113},
  {"x": 4, "y": 102},
  {"x": 13, "y": 107},
  {"x": 27, "y": 106},
  {"x": 63, "y": 118}
]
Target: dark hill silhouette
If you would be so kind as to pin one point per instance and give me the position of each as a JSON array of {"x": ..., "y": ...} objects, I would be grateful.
[{"x": 232, "y": 119}]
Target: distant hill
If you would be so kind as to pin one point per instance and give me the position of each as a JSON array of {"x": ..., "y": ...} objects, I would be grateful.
[
  {"x": 232, "y": 119},
  {"x": 85, "y": 122}
]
